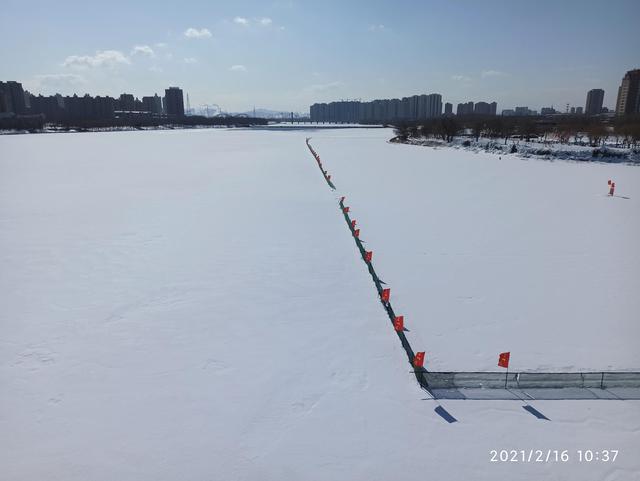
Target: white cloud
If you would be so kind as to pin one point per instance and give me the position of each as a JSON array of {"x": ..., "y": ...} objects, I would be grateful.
[
  {"x": 377, "y": 28},
  {"x": 492, "y": 73},
  {"x": 102, "y": 58},
  {"x": 460, "y": 78},
  {"x": 161, "y": 45},
  {"x": 238, "y": 68},
  {"x": 190, "y": 60},
  {"x": 324, "y": 87},
  {"x": 143, "y": 49},
  {"x": 67, "y": 77},
  {"x": 57, "y": 81},
  {"x": 265, "y": 22},
  {"x": 195, "y": 33}
]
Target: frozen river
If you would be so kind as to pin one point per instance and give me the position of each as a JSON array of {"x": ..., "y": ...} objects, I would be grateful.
[{"x": 190, "y": 305}]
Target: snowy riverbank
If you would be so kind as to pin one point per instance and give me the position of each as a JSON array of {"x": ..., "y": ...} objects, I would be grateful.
[{"x": 547, "y": 150}]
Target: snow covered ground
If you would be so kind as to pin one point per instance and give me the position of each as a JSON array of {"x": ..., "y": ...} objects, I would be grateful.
[
  {"x": 190, "y": 305},
  {"x": 485, "y": 255},
  {"x": 550, "y": 149}
]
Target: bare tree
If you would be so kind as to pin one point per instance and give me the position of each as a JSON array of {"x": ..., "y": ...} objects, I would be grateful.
[{"x": 450, "y": 127}]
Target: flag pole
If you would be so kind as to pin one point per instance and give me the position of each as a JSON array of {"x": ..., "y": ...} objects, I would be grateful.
[{"x": 506, "y": 377}]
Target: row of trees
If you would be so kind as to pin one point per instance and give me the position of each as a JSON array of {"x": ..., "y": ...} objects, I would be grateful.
[{"x": 582, "y": 130}]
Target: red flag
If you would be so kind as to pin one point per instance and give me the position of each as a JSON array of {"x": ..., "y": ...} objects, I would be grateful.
[
  {"x": 356, "y": 232},
  {"x": 418, "y": 360},
  {"x": 398, "y": 323},
  {"x": 368, "y": 255},
  {"x": 386, "y": 294},
  {"x": 353, "y": 224},
  {"x": 345, "y": 210},
  {"x": 503, "y": 360}
]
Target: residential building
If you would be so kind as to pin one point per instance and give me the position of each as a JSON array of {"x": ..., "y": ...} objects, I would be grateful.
[
  {"x": 464, "y": 108},
  {"x": 595, "y": 98},
  {"x": 416, "y": 107},
  {"x": 52, "y": 107},
  {"x": 152, "y": 104},
  {"x": 104, "y": 107},
  {"x": 523, "y": 111},
  {"x": 484, "y": 108},
  {"x": 12, "y": 98},
  {"x": 174, "y": 102},
  {"x": 628, "y": 101},
  {"x": 127, "y": 103}
]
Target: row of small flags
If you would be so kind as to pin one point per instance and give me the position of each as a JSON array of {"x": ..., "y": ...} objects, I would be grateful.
[
  {"x": 418, "y": 360},
  {"x": 398, "y": 323},
  {"x": 327, "y": 177},
  {"x": 385, "y": 295}
]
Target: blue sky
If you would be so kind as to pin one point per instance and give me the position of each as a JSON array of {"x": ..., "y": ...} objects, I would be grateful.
[{"x": 287, "y": 54}]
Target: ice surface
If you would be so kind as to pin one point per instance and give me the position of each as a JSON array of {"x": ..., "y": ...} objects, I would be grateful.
[
  {"x": 190, "y": 305},
  {"x": 485, "y": 255}
]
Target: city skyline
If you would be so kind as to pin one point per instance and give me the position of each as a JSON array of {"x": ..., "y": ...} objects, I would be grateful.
[
  {"x": 15, "y": 102},
  {"x": 276, "y": 55}
]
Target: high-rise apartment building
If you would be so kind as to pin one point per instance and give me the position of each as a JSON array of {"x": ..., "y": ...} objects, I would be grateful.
[
  {"x": 629, "y": 94},
  {"x": 595, "y": 97},
  {"x": 448, "y": 108},
  {"x": 152, "y": 104},
  {"x": 484, "y": 108},
  {"x": 465, "y": 108},
  {"x": 416, "y": 107},
  {"x": 127, "y": 102},
  {"x": 174, "y": 102},
  {"x": 12, "y": 98}
]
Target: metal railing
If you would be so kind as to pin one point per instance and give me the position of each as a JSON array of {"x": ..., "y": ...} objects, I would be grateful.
[{"x": 531, "y": 380}]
